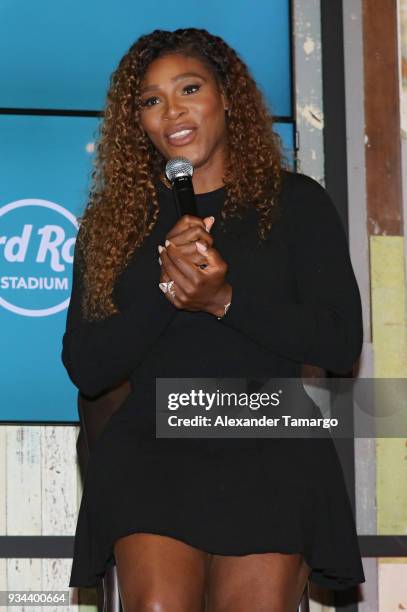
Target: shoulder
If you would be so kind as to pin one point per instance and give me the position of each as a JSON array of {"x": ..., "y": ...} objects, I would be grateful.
[
  {"x": 306, "y": 200},
  {"x": 300, "y": 187}
]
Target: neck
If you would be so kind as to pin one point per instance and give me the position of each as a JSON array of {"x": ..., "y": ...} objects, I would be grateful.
[
  {"x": 205, "y": 183},
  {"x": 209, "y": 175}
]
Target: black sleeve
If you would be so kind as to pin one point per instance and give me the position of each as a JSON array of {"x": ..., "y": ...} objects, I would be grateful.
[
  {"x": 324, "y": 326},
  {"x": 100, "y": 354}
]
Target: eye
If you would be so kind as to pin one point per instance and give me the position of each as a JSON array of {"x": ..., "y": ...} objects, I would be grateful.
[
  {"x": 191, "y": 88},
  {"x": 149, "y": 102}
]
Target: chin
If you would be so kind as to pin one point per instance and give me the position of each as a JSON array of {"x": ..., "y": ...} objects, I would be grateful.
[{"x": 195, "y": 157}]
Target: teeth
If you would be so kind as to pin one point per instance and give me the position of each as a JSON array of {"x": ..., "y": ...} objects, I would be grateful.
[{"x": 180, "y": 134}]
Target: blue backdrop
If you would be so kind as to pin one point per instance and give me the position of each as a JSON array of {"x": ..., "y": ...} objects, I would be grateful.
[{"x": 59, "y": 56}]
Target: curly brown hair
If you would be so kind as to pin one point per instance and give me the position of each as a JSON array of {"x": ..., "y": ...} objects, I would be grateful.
[{"x": 123, "y": 207}]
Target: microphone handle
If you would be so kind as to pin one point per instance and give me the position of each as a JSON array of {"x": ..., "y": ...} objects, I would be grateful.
[{"x": 184, "y": 195}]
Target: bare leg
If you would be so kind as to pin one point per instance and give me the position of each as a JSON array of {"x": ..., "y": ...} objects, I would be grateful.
[
  {"x": 160, "y": 574},
  {"x": 268, "y": 582}
]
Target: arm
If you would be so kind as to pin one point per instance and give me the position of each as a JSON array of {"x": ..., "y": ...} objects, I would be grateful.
[
  {"x": 100, "y": 354},
  {"x": 324, "y": 327}
]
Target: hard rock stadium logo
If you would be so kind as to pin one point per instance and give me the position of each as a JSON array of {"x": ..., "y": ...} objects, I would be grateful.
[{"x": 37, "y": 241}]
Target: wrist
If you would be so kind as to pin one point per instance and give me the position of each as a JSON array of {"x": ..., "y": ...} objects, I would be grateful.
[{"x": 222, "y": 298}]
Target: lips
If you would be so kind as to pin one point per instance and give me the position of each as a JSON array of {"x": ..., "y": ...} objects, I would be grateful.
[{"x": 181, "y": 134}]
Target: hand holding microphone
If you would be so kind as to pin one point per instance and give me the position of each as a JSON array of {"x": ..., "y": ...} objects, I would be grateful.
[
  {"x": 189, "y": 228},
  {"x": 179, "y": 171},
  {"x": 193, "y": 272}
]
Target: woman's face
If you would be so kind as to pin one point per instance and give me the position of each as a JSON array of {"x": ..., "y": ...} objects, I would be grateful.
[{"x": 183, "y": 110}]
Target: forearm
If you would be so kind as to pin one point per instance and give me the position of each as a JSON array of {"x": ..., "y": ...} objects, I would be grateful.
[{"x": 100, "y": 354}]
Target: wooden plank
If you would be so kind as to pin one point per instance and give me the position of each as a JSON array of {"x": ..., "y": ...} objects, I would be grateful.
[
  {"x": 23, "y": 491},
  {"x": 392, "y": 584},
  {"x": 382, "y": 115},
  {"x": 59, "y": 486},
  {"x": 55, "y": 576},
  {"x": 355, "y": 153},
  {"x": 388, "y": 306},
  {"x": 24, "y": 575},
  {"x": 390, "y": 361},
  {"x": 308, "y": 87}
]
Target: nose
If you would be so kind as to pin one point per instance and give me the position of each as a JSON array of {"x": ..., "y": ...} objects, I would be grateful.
[{"x": 173, "y": 108}]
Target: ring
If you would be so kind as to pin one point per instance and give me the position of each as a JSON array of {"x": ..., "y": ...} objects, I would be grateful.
[{"x": 167, "y": 288}]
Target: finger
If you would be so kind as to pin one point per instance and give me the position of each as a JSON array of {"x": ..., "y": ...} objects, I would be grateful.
[
  {"x": 174, "y": 300},
  {"x": 183, "y": 264},
  {"x": 173, "y": 295},
  {"x": 191, "y": 235},
  {"x": 180, "y": 270},
  {"x": 214, "y": 260},
  {"x": 209, "y": 221},
  {"x": 212, "y": 255},
  {"x": 185, "y": 222},
  {"x": 191, "y": 253},
  {"x": 164, "y": 278}
]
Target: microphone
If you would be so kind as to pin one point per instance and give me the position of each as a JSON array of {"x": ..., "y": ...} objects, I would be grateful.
[{"x": 179, "y": 171}]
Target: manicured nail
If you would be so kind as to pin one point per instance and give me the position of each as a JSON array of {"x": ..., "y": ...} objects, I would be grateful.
[
  {"x": 201, "y": 247},
  {"x": 159, "y": 261},
  {"x": 211, "y": 221},
  {"x": 167, "y": 243},
  {"x": 160, "y": 248},
  {"x": 163, "y": 287}
]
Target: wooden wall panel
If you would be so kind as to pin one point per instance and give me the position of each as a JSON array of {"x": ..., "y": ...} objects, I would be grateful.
[
  {"x": 392, "y": 584},
  {"x": 23, "y": 480},
  {"x": 59, "y": 476},
  {"x": 382, "y": 116},
  {"x": 40, "y": 493},
  {"x": 385, "y": 225},
  {"x": 309, "y": 112}
]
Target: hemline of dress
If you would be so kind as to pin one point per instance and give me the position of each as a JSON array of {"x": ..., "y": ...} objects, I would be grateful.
[{"x": 320, "y": 574}]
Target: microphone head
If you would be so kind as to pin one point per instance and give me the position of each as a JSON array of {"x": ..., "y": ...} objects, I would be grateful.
[{"x": 178, "y": 166}]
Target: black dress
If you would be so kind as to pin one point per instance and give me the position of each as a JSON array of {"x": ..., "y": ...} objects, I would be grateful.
[{"x": 295, "y": 300}]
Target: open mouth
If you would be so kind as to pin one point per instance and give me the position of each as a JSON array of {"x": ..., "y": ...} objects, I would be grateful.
[{"x": 182, "y": 137}]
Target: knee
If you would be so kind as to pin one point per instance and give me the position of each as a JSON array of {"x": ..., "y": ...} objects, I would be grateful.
[
  {"x": 152, "y": 604},
  {"x": 156, "y": 602}
]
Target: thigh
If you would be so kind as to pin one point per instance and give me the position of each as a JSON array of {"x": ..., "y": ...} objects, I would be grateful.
[
  {"x": 268, "y": 581},
  {"x": 158, "y": 572}
]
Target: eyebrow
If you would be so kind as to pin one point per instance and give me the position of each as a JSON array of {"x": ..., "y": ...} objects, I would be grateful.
[{"x": 179, "y": 77}]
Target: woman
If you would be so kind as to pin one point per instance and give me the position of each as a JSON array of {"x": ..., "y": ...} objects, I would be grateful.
[{"x": 258, "y": 283}]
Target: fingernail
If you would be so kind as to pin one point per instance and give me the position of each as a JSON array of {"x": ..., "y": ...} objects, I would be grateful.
[
  {"x": 160, "y": 248},
  {"x": 201, "y": 247},
  {"x": 159, "y": 261},
  {"x": 163, "y": 287},
  {"x": 211, "y": 221},
  {"x": 167, "y": 243}
]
